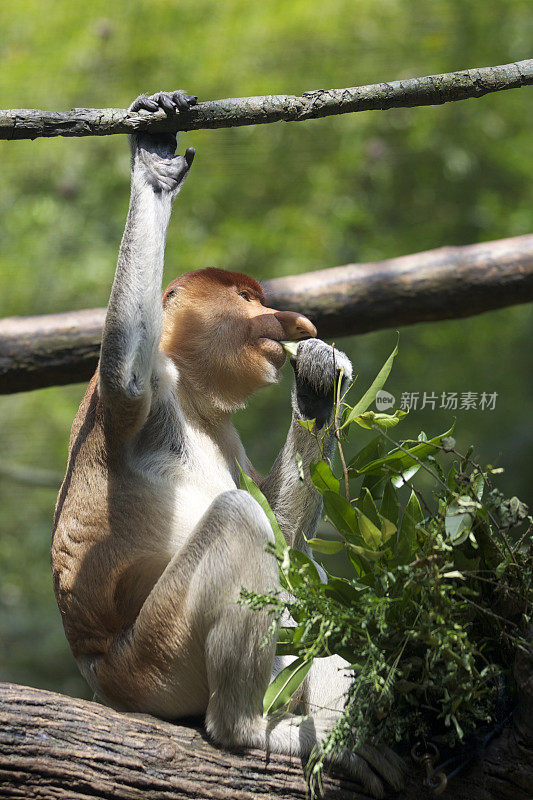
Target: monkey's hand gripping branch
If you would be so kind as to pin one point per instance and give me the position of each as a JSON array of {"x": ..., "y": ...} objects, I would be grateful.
[{"x": 154, "y": 154}]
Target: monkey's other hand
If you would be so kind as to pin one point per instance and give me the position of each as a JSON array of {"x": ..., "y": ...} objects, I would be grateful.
[
  {"x": 154, "y": 152},
  {"x": 317, "y": 366}
]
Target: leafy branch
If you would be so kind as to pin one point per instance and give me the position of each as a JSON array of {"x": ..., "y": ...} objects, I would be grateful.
[{"x": 439, "y": 599}]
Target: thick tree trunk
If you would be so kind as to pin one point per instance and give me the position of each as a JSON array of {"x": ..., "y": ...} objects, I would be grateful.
[
  {"x": 438, "y": 284},
  {"x": 53, "y": 747},
  {"x": 24, "y": 123}
]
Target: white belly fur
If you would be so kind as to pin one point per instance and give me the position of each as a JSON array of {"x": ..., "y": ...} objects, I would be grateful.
[
  {"x": 197, "y": 482},
  {"x": 206, "y": 467}
]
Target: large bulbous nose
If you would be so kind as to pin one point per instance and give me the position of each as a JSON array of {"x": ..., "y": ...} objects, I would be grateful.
[{"x": 295, "y": 326}]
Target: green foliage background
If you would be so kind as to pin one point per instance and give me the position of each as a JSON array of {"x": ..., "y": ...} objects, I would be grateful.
[{"x": 270, "y": 200}]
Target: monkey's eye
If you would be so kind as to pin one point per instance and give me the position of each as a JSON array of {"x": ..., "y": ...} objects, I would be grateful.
[{"x": 246, "y": 296}]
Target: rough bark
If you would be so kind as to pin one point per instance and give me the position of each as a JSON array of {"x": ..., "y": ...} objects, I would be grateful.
[
  {"x": 237, "y": 111},
  {"x": 49, "y": 350},
  {"x": 446, "y": 283},
  {"x": 54, "y": 747},
  {"x": 438, "y": 284}
]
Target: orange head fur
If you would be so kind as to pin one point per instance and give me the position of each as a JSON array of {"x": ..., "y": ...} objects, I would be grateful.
[{"x": 222, "y": 338}]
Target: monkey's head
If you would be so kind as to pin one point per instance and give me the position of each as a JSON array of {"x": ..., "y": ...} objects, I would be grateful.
[{"x": 222, "y": 337}]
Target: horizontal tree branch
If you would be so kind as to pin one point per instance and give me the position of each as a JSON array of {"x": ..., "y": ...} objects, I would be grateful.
[
  {"x": 447, "y": 283},
  {"x": 21, "y": 123},
  {"x": 30, "y": 476},
  {"x": 49, "y": 350},
  {"x": 57, "y": 748}
]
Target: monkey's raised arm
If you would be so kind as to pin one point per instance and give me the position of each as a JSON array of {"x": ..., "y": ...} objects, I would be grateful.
[
  {"x": 295, "y": 502},
  {"x": 132, "y": 328}
]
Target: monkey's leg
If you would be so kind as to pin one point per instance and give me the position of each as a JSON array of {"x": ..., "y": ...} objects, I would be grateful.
[{"x": 195, "y": 650}]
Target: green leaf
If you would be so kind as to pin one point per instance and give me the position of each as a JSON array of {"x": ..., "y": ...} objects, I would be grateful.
[
  {"x": 290, "y": 347},
  {"x": 457, "y": 523},
  {"x": 400, "y": 480},
  {"x": 401, "y": 460},
  {"x": 366, "y": 505},
  {"x": 478, "y": 484},
  {"x": 327, "y": 546},
  {"x": 299, "y": 568},
  {"x": 285, "y": 645},
  {"x": 323, "y": 478},
  {"x": 371, "y": 555},
  {"x": 388, "y": 529},
  {"x": 370, "y": 452},
  {"x": 358, "y": 565},
  {"x": 342, "y": 515},
  {"x": 371, "y": 418},
  {"x": 284, "y": 686},
  {"x": 389, "y": 505},
  {"x": 249, "y": 485},
  {"x": 370, "y": 532},
  {"x": 343, "y": 590},
  {"x": 288, "y": 648},
  {"x": 458, "y": 728},
  {"x": 375, "y": 484},
  {"x": 408, "y": 540},
  {"x": 413, "y": 511},
  {"x": 370, "y": 395},
  {"x": 450, "y": 481},
  {"x": 285, "y": 634},
  {"x": 307, "y": 424}
]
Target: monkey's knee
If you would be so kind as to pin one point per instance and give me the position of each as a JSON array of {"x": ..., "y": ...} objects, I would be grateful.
[
  {"x": 238, "y": 510},
  {"x": 238, "y": 536}
]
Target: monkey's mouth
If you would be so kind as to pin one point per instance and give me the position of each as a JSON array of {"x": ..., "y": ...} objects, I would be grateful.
[{"x": 273, "y": 350}]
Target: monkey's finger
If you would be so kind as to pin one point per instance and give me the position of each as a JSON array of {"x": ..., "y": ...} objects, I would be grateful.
[
  {"x": 184, "y": 101},
  {"x": 166, "y": 103},
  {"x": 189, "y": 156},
  {"x": 180, "y": 101},
  {"x": 144, "y": 102}
]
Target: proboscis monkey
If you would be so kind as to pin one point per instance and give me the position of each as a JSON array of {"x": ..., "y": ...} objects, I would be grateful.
[{"x": 153, "y": 539}]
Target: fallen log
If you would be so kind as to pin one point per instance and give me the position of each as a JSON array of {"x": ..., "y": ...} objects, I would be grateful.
[
  {"x": 54, "y": 747},
  {"x": 447, "y": 283}
]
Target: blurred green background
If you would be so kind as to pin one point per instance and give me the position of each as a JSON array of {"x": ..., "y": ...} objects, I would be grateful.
[{"x": 271, "y": 200}]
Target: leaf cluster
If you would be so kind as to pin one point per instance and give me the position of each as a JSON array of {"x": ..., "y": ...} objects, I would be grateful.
[{"x": 436, "y": 588}]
